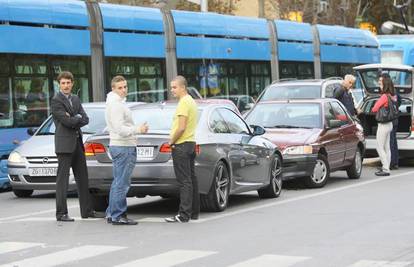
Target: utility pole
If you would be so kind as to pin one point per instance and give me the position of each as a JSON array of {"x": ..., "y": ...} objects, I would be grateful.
[
  {"x": 261, "y": 8},
  {"x": 204, "y": 5}
]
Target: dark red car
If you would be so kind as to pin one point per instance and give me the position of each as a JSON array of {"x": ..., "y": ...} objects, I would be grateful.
[{"x": 316, "y": 137}]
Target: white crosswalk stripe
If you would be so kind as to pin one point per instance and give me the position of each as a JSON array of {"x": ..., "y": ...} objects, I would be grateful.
[
  {"x": 269, "y": 260},
  {"x": 369, "y": 263},
  {"x": 64, "y": 257},
  {"x": 7, "y": 247},
  {"x": 169, "y": 258}
]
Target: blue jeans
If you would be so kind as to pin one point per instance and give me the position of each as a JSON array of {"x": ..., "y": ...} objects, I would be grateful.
[
  {"x": 123, "y": 160},
  {"x": 394, "y": 144}
]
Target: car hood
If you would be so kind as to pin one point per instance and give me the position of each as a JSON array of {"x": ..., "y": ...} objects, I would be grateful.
[
  {"x": 292, "y": 137},
  {"x": 40, "y": 146}
]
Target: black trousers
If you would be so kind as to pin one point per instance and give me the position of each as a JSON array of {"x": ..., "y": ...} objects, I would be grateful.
[
  {"x": 77, "y": 161},
  {"x": 183, "y": 159},
  {"x": 394, "y": 144}
]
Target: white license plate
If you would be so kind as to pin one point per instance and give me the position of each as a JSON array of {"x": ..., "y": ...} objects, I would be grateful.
[
  {"x": 43, "y": 171},
  {"x": 145, "y": 152}
]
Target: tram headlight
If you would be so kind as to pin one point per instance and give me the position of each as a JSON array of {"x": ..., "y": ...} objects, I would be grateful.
[{"x": 15, "y": 157}]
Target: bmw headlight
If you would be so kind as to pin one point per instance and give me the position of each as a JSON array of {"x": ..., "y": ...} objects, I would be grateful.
[
  {"x": 298, "y": 150},
  {"x": 15, "y": 157}
]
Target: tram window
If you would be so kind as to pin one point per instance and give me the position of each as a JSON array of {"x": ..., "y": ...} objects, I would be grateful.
[
  {"x": 6, "y": 104},
  {"x": 259, "y": 69},
  {"x": 30, "y": 66},
  {"x": 4, "y": 66},
  {"x": 329, "y": 70},
  {"x": 76, "y": 67},
  {"x": 345, "y": 69},
  {"x": 32, "y": 100},
  {"x": 122, "y": 67},
  {"x": 287, "y": 70},
  {"x": 305, "y": 71},
  {"x": 149, "y": 69}
]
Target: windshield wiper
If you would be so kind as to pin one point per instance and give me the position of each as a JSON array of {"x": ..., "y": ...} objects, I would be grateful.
[
  {"x": 46, "y": 133},
  {"x": 287, "y": 126},
  {"x": 85, "y": 132}
]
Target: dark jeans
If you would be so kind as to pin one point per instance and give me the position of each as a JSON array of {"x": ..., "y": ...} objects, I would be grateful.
[
  {"x": 394, "y": 144},
  {"x": 183, "y": 159},
  {"x": 77, "y": 161}
]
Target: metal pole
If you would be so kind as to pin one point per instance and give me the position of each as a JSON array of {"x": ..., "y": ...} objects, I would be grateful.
[
  {"x": 261, "y": 8},
  {"x": 204, "y": 5}
]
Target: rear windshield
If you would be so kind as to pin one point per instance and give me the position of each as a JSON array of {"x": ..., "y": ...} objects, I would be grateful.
[
  {"x": 158, "y": 119},
  {"x": 96, "y": 123},
  {"x": 291, "y": 92},
  {"x": 286, "y": 115},
  {"x": 402, "y": 80}
]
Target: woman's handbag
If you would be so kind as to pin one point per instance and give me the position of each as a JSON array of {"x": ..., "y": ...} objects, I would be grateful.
[{"x": 386, "y": 114}]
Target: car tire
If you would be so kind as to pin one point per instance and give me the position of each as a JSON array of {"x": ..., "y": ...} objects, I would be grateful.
[
  {"x": 321, "y": 173},
  {"x": 274, "y": 188},
  {"x": 100, "y": 202},
  {"x": 218, "y": 196},
  {"x": 355, "y": 170},
  {"x": 22, "y": 193}
]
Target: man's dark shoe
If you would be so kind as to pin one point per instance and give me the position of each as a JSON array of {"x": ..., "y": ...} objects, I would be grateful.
[
  {"x": 124, "y": 221},
  {"x": 194, "y": 217},
  {"x": 394, "y": 167},
  {"x": 176, "y": 219},
  {"x": 94, "y": 214},
  {"x": 108, "y": 219},
  {"x": 64, "y": 218},
  {"x": 382, "y": 173}
]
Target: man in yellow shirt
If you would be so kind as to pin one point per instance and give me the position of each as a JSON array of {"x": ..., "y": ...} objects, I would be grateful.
[{"x": 182, "y": 142}]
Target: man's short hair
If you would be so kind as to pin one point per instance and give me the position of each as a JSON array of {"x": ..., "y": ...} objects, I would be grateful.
[
  {"x": 349, "y": 77},
  {"x": 65, "y": 75},
  {"x": 117, "y": 79},
  {"x": 181, "y": 81}
]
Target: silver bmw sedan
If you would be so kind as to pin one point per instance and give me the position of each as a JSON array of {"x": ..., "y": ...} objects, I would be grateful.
[{"x": 232, "y": 157}]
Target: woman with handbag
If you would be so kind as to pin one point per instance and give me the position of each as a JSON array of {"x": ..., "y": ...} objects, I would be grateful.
[{"x": 385, "y": 114}]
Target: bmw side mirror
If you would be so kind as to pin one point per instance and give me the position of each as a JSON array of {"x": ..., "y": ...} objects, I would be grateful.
[
  {"x": 31, "y": 131},
  {"x": 258, "y": 130}
]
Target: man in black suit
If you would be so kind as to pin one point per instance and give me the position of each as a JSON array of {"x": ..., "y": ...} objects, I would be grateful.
[{"x": 69, "y": 117}]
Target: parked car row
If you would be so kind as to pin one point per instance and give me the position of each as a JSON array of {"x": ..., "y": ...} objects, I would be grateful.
[{"x": 294, "y": 130}]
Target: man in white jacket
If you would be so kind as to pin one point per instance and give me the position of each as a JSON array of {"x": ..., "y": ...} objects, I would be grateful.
[{"x": 123, "y": 150}]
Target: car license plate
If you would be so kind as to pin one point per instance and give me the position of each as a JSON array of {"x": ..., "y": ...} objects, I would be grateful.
[
  {"x": 43, "y": 171},
  {"x": 145, "y": 152}
]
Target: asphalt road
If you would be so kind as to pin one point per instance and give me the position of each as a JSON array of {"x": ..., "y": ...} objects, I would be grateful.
[{"x": 358, "y": 223}]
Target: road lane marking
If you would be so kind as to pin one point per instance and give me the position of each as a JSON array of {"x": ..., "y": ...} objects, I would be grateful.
[
  {"x": 312, "y": 195},
  {"x": 268, "y": 260},
  {"x": 168, "y": 259},
  {"x": 34, "y": 214},
  {"x": 63, "y": 257},
  {"x": 7, "y": 247},
  {"x": 367, "y": 263}
]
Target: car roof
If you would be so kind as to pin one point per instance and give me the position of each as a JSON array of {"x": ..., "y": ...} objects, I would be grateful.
[
  {"x": 301, "y": 100},
  {"x": 200, "y": 103},
  {"x": 306, "y": 81},
  {"x": 384, "y": 66},
  {"x": 103, "y": 104}
]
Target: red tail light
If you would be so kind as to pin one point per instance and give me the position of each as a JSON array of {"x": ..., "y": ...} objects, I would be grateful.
[
  {"x": 91, "y": 149},
  {"x": 166, "y": 148}
]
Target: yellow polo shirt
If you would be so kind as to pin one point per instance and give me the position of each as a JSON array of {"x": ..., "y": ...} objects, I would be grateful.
[{"x": 187, "y": 107}]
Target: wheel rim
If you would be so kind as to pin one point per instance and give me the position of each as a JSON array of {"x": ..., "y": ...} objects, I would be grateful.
[
  {"x": 222, "y": 183},
  {"x": 358, "y": 161},
  {"x": 276, "y": 177},
  {"x": 319, "y": 172}
]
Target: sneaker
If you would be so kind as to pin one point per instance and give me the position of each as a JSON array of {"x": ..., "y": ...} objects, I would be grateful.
[
  {"x": 394, "y": 167},
  {"x": 382, "y": 173},
  {"x": 176, "y": 219},
  {"x": 124, "y": 221}
]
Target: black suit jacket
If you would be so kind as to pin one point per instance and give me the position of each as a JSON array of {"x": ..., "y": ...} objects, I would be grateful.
[{"x": 67, "y": 127}]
